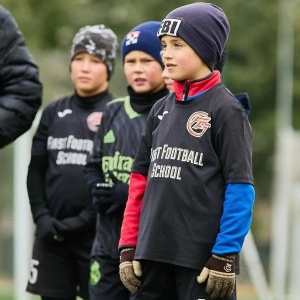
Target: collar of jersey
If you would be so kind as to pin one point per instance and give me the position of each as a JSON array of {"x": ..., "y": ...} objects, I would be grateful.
[
  {"x": 91, "y": 100},
  {"x": 129, "y": 110},
  {"x": 188, "y": 90}
]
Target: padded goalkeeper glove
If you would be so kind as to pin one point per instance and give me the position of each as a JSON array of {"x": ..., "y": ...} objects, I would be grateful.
[
  {"x": 130, "y": 270},
  {"x": 219, "y": 272}
]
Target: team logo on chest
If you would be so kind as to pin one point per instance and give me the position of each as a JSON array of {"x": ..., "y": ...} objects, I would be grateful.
[
  {"x": 93, "y": 121},
  {"x": 198, "y": 123}
]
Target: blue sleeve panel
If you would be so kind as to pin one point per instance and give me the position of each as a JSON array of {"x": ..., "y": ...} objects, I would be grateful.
[{"x": 236, "y": 219}]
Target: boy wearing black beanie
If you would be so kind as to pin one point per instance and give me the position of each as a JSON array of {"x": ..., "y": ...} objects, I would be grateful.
[
  {"x": 191, "y": 188},
  {"x": 108, "y": 169}
]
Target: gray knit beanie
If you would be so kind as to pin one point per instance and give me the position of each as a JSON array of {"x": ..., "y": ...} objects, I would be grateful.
[
  {"x": 97, "y": 40},
  {"x": 203, "y": 26}
]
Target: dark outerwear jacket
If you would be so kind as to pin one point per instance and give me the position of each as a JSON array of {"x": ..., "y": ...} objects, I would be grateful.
[{"x": 20, "y": 87}]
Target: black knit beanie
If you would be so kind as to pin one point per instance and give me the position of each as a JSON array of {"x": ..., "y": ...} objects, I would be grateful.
[{"x": 203, "y": 26}]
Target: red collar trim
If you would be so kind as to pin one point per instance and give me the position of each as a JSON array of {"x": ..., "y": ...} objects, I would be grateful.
[{"x": 187, "y": 89}]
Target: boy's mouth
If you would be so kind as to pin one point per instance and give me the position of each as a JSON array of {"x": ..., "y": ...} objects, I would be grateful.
[
  {"x": 139, "y": 80},
  {"x": 169, "y": 65}
]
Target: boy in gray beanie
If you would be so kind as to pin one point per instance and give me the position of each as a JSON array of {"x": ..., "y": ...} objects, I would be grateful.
[
  {"x": 191, "y": 187},
  {"x": 59, "y": 199},
  {"x": 97, "y": 40}
]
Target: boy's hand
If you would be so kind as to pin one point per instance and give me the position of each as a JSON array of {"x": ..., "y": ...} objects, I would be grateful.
[
  {"x": 220, "y": 272},
  {"x": 120, "y": 195},
  {"x": 102, "y": 197},
  {"x": 109, "y": 199},
  {"x": 130, "y": 270},
  {"x": 46, "y": 230},
  {"x": 70, "y": 225}
]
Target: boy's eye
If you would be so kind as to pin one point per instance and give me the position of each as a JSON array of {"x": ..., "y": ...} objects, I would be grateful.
[
  {"x": 177, "y": 44},
  {"x": 146, "y": 60}
]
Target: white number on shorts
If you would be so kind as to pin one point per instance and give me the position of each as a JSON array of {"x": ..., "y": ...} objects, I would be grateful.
[{"x": 33, "y": 271}]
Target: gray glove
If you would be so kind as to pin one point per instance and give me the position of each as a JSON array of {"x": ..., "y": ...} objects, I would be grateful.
[
  {"x": 220, "y": 272},
  {"x": 130, "y": 270}
]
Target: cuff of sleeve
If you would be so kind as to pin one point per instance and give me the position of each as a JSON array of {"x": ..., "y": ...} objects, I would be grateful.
[{"x": 40, "y": 213}]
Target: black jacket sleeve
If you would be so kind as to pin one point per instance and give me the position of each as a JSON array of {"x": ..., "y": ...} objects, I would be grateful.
[
  {"x": 20, "y": 87},
  {"x": 36, "y": 186}
]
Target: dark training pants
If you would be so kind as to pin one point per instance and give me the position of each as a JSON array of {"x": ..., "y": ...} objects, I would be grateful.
[
  {"x": 105, "y": 282},
  {"x": 61, "y": 269},
  {"x": 161, "y": 281}
]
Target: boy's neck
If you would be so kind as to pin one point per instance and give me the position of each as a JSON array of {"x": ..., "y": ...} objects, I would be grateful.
[{"x": 142, "y": 103}]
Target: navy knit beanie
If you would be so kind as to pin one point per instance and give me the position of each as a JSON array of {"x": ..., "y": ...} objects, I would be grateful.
[
  {"x": 143, "y": 38},
  {"x": 203, "y": 26}
]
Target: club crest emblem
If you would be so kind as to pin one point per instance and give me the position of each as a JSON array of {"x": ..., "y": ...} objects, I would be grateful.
[
  {"x": 94, "y": 120},
  {"x": 198, "y": 123},
  {"x": 228, "y": 268}
]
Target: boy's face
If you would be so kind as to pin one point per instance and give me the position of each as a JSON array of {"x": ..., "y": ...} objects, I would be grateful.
[
  {"x": 89, "y": 74},
  {"x": 143, "y": 72},
  {"x": 168, "y": 80},
  {"x": 181, "y": 60}
]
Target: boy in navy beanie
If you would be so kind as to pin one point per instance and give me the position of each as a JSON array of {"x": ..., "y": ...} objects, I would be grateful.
[
  {"x": 203, "y": 26},
  {"x": 108, "y": 169},
  {"x": 190, "y": 194}
]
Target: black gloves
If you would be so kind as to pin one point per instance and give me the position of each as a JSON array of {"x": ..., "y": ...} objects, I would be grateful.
[
  {"x": 130, "y": 270},
  {"x": 109, "y": 199},
  {"x": 46, "y": 229},
  {"x": 86, "y": 219},
  {"x": 220, "y": 271},
  {"x": 70, "y": 225},
  {"x": 101, "y": 196}
]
